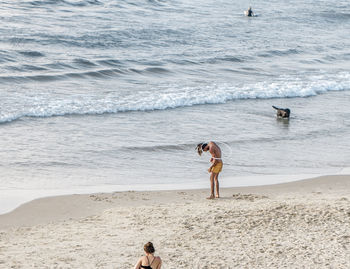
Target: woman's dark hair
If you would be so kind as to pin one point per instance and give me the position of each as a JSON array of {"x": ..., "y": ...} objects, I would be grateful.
[
  {"x": 200, "y": 147},
  {"x": 149, "y": 248}
]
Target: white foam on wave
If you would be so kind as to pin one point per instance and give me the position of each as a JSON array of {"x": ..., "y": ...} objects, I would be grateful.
[{"x": 47, "y": 104}]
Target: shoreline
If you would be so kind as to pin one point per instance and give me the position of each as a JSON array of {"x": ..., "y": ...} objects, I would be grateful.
[
  {"x": 79, "y": 205},
  {"x": 12, "y": 199},
  {"x": 304, "y": 223}
]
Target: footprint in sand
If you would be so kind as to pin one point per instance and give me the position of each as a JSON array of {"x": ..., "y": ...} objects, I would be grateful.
[
  {"x": 98, "y": 198},
  {"x": 248, "y": 197}
]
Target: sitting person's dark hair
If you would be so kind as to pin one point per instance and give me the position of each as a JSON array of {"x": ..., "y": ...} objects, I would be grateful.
[{"x": 149, "y": 248}]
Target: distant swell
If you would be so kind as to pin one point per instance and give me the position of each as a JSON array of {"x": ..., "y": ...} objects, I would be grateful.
[
  {"x": 31, "y": 53},
  {"x": 158, "y": 148},
  {"x": 62, "y": 2},
  {"x": 172, "y": 97},
  {"x": 272, "y": 53},
  {"x": 99, "y": 73}
]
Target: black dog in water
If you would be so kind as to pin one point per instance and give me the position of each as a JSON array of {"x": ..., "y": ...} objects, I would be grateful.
[{"x": 282, "y": 112}]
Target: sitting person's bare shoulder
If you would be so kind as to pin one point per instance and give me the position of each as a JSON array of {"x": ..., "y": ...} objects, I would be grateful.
[{"x": 143, "y": 259}]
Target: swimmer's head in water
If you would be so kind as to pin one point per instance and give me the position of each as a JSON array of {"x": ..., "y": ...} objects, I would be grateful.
[{"x": 201, "y": 147}]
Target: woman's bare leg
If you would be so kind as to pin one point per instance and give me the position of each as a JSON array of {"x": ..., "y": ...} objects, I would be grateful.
[
  {"x": 216, "y": 178},
  {"x": 212, "y": 176}
]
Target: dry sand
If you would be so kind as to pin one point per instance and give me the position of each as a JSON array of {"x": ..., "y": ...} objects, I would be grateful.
[{"x": 304, "y": 224}]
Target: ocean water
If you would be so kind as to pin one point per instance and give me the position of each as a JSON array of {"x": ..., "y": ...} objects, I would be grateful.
[{"x": 118, "y": 93}]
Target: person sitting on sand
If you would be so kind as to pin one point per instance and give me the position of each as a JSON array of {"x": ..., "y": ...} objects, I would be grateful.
[
  {"x": 216, "y": 166},
  {"x": 149, "y": 261},
  {"x": 249, "y": 12}
]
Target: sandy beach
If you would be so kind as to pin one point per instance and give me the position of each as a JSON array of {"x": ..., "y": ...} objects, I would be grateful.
[
  {"x": 106, "y": 107},
  {"x": 303, "y": 224}
]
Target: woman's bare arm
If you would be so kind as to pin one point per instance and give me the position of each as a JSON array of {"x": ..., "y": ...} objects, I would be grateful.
[
  {"x": 160, "y": 264},
  {"x": 138, "y": 264}
]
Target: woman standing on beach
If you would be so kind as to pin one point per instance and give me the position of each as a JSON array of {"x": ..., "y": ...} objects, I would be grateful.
[
  {"x": 216, "y": 166},
  {"x": 149, "y": 261}
]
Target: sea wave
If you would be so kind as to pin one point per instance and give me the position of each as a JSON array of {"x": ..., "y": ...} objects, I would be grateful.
[
  {"x": 97, "y": 73},
  {"x": 40, "y": 3},
  {"x": 170, "y": 97}
]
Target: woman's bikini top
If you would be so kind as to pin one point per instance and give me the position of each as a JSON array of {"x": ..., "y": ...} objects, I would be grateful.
[{"x": 148, "y": 266}]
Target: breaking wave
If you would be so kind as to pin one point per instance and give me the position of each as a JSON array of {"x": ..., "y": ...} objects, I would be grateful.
[{"x": 169, "y": 97}]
